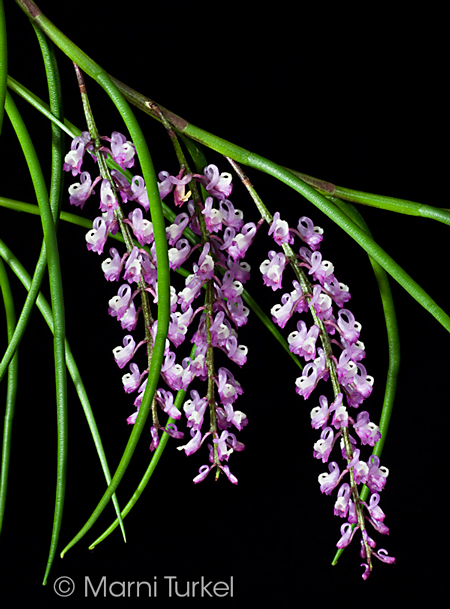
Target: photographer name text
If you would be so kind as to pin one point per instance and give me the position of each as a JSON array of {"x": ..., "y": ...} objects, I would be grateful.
[{"x": 171, "y": 587}]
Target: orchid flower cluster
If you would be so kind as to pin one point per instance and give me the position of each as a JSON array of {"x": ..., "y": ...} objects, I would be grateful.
[
  {"x": 223, "y": 242},
  {"x": 349, "y": 378}
]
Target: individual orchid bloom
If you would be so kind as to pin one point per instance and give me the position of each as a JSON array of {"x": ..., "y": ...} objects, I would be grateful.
[
  {"x": 229, "y": 389},
  {"x": 218, "y": 185},
  {"x": 383, "y": 556},
  {"x": 302, "y": 342},
  {"x": 131, "y": 420},
  {"x": 74, "y": 159},
  {"x": 240, "y": 269},
  {"x": 123, "y": 151},
  {"x": 231, "y": 477},
  {"x": 354, "y": 398},
  {"x": 155, "y": 439},
  {"x": 195, "y": 409},
  {"x": 231, "y": 288},
  {"x": 132, "y": 380},
  {"x": 350, "y": 329},
  {"x": 340, "y": 416},
  {"x": 149, "y": 272},
  {"x": 231, "y": 216},
  {"x": 193, "y": 445},
  {"x": 130, "y": 318},
  {"x": 119, "y": 304},
  {"x": 199, "y": 366},
  {"x": 143, "y": 229},
  {"x": 137, "y": 402},
  {"x": 366, "y": 572},
  {"x": 184, "y": 319},
  {"x": 172, "y": 430},
  {"x": 237, "y": 353},
  {"x": 280, "y": 230},
  {"x": 369, "y": 541},
  {"x": 301, "y": 304},
  {"x": 341, "y": 505},
  {"x": 133, "y": 266},
  {"x": 166, "y": 185},
  {"x": 177, "y": 331},
  {"x": 213, "y": 217},
  {"x": 368, "y": 432},
  {"x": 323, "y": 447},
  {"x": 307, "y": 382},
  {"x": 375, "y": 511},
  {"x": 322, "y": 270},
  {"x": 122, "y": 355},
  {"x": 122, "y": 185},
  {"x": 108, "y": 199},
  {"x": 272, "y": 270},
  {"x": 223, "y": 449},
  {"x": 339, "y": 292},
  {"x": 346, "y": 368},
  {"x": 219, "y": 331},
  {"x": 346, "y": 535},
  {"x": 96, "y": 238},
  {"x": 172, "y": 372},
  {"x": 203, "y": 472},
  {"x": 112, "y": 224},
  {"x": 310, "y": 234},
  {"x": 281, "y": 313},
  {"x": 112, "y": 267},
  {"x": 180, "y": 195},
  {"x": 140, "y": 192},
  {"x": 377, "y": 475},
  {"x": 356, "y": 350},
  {"x": 322, "y": 304},
  {"x": 179, "y": 254},
  {"x": 328, "y": 482},
  {"x": 352, "y": 516},
  {"x": 80, "y": 192},
  {"x": 175, "y": 230},
  {"x": 165, "y": 400},
  {"x": 237, "y": 311},
  {"x": 321, "y": 365},
  {"x": 194, "y": 224},
  {"x": 320, "y": 414},
  {"x": 360, "y": 472},
  {"x": 227, "y": 416},
  {"x": 241, "y": 242},
  {"x": 205, "y": 268},
  {"x": 363, "y": 382}
]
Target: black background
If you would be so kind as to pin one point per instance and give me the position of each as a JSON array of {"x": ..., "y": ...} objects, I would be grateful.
[{"x": 352, "y": 99}]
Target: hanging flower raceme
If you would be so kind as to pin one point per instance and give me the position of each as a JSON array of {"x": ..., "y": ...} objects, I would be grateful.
[
  {"x": 228, "y": 241},
  {"x": 335, "y": 421}
]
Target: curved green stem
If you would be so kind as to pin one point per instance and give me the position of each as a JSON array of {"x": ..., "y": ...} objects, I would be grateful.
[
  {"x": 46, "y": 312},
  {"x": 11, "y": 392},
  {"x": 41, "y": 106},
  {"x": 401, "y": 206},
  {"x": 3, "y": 62},
  {"x": 55, "y": 280}
]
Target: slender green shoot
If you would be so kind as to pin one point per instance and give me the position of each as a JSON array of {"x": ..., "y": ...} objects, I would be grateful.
[{"x": 11, "y": 392}]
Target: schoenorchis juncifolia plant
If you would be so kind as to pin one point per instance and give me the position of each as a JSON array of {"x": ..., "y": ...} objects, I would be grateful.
[
  {"x": 175, "y": 339},
  {"x": 223, "y": 239}
]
